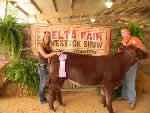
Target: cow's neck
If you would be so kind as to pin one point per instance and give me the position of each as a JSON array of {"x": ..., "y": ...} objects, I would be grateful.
[{"x": 127, "y": 60}]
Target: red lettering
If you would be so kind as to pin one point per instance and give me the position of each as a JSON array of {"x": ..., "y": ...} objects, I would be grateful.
[
  {"x": 67, "y": 33},
  {"x": 54, "y": 34},
  {"x": 94, "y": 36},
  {"x": 89, "y": 37},
  {"x": 73, "y": 35},
  {"x": 83, "y": 35},
  {"x": 59, "y": 37},
  {"x": 99, "y": 36}
]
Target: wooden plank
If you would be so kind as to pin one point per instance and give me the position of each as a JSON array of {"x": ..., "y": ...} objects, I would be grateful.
[
  {"x": 54, "y": 4},
  {"x": 37, "y": 7},
  {"x": 81, "y": 89},
  {"x": 13, "y": 3}
]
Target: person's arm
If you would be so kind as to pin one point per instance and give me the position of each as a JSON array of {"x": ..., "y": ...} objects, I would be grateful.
[
  {"x": 137, "y": 43},
  {"x": 141, "y": 47},
  {"x": 42, "y": 52}
]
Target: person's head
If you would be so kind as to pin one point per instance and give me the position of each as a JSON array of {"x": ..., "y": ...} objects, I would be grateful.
[
  {"x": 46, "y": 38},
  {"x": 125, "y": 32}
]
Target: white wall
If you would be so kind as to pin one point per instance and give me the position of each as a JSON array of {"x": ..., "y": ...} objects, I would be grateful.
[{"x": 2, "y": 8}]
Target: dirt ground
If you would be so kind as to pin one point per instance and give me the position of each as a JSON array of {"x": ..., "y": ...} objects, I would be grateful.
[{"x": 76, "y": 102}]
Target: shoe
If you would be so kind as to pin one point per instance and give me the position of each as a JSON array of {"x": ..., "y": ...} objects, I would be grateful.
[
  {"x": 43, "y": 102},
  {"x": 131, "y": 106},
  {"x": 121, "y": 99}
]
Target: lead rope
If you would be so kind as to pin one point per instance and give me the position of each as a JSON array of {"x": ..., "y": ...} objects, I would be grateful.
[{"x": 132, "y": 55}]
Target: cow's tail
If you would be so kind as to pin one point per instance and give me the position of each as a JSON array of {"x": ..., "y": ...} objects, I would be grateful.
[{"x": 48, "y": 81}]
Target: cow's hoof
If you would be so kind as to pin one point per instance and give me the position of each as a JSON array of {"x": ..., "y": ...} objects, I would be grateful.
[
  {"x": 63, "y": 105},
  {"x": 104, "y": 105},
  {"x": 54, "y": 110}
]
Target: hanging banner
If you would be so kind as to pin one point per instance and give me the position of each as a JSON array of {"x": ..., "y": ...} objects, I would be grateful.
[{"x": 77, "y": 39}]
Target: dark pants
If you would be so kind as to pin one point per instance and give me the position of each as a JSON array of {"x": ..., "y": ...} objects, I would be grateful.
[{"x": 43, "y": 71}]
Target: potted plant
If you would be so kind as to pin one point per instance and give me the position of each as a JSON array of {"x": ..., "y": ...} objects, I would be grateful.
[
  {"x": 11, "y": 39},
  {"x": 24, "y": 72}
]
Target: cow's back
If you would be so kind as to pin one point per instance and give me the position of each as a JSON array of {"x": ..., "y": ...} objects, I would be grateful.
[{"x": 88, "y": 70}]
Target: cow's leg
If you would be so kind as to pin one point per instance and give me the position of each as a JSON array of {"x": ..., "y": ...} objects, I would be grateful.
[
  {"x": 109, "y": 96},
  {"x": 59, "y": 97},
  {"x": 52, "y": 98},
  {"x": 103, "y": 96}
]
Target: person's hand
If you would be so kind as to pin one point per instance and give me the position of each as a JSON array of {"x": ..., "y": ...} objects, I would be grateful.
[
  {"x": 59, "y": 53},
  {"x": 133, "y": 42}
]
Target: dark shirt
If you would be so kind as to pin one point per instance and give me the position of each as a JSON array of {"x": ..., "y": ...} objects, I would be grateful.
[{"x": 42, "y": 60}]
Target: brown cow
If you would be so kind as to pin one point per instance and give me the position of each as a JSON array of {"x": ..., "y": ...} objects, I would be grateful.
[{"x": 107, "y": 71}]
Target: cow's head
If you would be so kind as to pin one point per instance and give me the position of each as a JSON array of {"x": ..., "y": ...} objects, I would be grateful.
[{"x": 136, "y": 52}]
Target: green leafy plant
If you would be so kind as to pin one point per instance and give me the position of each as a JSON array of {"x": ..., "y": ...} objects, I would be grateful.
[
  {"x": 98, "y": 90},
  {"x": 116, "y": 94},
  {"x": 24, "y": 72},
  {"x": 11, "y": 39},
  {"x": 135, "y": 30}
]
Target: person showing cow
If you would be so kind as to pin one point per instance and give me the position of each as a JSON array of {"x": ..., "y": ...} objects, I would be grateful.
[
  {"x": 45, "y": 52},
  {"x": 128, "y": 90}
]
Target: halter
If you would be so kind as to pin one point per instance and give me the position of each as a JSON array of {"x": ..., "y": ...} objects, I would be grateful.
[{"x": 137, "y": 59}]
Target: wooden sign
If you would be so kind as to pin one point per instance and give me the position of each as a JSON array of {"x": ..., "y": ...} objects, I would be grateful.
[{"x": 76, "y": 39}]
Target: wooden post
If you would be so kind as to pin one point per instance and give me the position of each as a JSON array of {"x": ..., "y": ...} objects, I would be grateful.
[{"x": 6, "y": 8}]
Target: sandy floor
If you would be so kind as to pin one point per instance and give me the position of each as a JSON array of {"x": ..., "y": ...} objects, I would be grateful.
[{"x": 76, "y": 102}]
